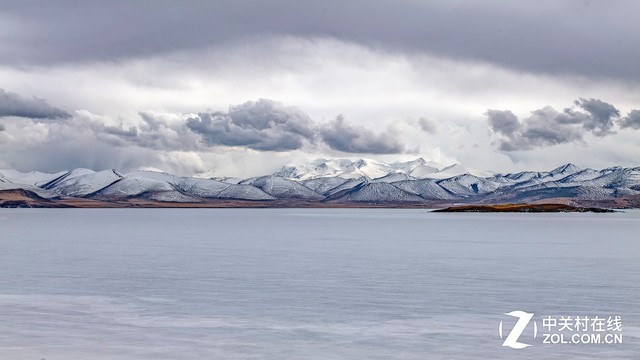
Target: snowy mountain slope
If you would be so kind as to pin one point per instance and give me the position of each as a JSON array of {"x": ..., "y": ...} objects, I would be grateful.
[
  {"x": 244, "y": 192},
  {"x": 468, "y": 185},
  {"x": 625, "y": 181},
  {"x": 34, "y": 178},
  {"x": 167, "y": 186},
  {"x": 346, "y": 186},
  {"x": 339, "y": 180},
  {"x": 210, "y": 188},
  {"x": 323, "y": 184},
  {"x": 618, "y": 177},
  {"x": 131, "y": 186},
  {"x": 393, "y": 177},
  {"x": 416, "y": 166},
  {"x": 375, "y": 169},
  {"x": 381, "y": 192},
  {"x": 282, "y": 188},
  {"x": 319, "y": 168},
  {"x": 426, "y": 188},
  {"x": 515, "y": 179},
  {"x": 200, "y": 187},
  {"x": 228, "y": 180},
  {"x": 563, "y": 171},
  {"x": 82, "y": 183},
  {"x": 529, "y": 178},
  {"x": 147, "y": 185},
  {"x": 541, "y": 193},
  {"x": 67, "y": 176},
  {"x": 422, "y": 171},
  {"x": 347, "y": 169}
]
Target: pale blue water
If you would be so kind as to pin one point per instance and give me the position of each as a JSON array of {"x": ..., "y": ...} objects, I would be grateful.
[{"x": 307, "y": 284}]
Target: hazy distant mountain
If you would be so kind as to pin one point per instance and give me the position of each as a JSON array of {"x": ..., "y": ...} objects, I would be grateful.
[
  {"x": 371, "y": 169},
  {"x": 341, "y": 180}
]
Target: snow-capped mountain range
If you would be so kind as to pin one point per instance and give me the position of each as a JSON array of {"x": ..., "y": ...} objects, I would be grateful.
[{"x": 339, "y": 180}]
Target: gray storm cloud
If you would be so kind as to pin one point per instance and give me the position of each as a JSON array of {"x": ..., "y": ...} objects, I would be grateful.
[
  {"x": 548, "y": 126},
  {"x": 176, "y": 142},
  {"x": 346, "y": 138},
  {"x": 372, "y": 60},
  {"x": 503, "y": 121},
  {"x": 504, "y": 33},
  {"x": 153, "y": 132},
  {"x": 632, "y": 120},
  {"x": 602, "y": 115},
  {"x": 12, "y": 104},
  {"x": 260, "y": 125}
]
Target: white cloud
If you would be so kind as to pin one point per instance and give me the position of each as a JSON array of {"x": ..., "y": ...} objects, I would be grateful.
[{"x": 373, "y": 88}]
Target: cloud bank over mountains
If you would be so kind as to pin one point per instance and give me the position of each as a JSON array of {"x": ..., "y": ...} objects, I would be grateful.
[
  {"x": 548, "y": 126},
  {"x": 253, "y": 85},
  {"x": 262, "y": 125},
  {"x": 269, "y": 126}
]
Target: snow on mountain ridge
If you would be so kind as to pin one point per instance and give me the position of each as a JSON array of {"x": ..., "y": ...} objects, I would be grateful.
[
  {"x": 34, "y": 178},
  {"x": 371, "y": 169},
  {"x": 88, "y": 183},
  {"x": 339, "y": 180}
]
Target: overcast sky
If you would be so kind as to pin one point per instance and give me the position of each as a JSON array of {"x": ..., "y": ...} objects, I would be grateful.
[{"x": 242, "y": 87}]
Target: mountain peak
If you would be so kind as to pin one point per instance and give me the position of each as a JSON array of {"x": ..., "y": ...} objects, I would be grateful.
[
  {"x": 564, "y": 169},
  {"x": 360, "y": 163},
  {"x": 420, "y": 161}
]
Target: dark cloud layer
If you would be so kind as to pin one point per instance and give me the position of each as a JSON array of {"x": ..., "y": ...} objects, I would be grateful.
[
  {"x": 602, "y": 115},
  {"x": 632, "y": 120},
  {"x": 155, "y": 132},
  {"x": 346, "y": 138},
  {"x": 260, "y": 125},
  {"x": 591, "y": 38},
  {"x": 12, "y": 104},
  {"x": 503, "y": 121},
  {"x": 548, "y": 126}
]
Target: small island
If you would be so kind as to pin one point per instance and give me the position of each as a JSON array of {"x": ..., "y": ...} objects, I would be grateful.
[{"x": 529, "y": 208}]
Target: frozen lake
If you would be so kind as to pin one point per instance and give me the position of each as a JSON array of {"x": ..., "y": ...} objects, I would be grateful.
[{"x": 307, "y": 284}]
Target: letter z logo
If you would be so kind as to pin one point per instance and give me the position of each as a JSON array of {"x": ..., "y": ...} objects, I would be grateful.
[{"x": 523, "y": 320}]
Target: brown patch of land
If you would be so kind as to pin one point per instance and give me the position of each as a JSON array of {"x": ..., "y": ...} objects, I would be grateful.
[
  {"x": 29, "y": 199},
  {"x": 25, "y": 198},
  {"x": 531, "y": 208}
]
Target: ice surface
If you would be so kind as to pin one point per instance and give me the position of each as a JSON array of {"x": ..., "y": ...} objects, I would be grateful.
[{"x": 306, "y": 284}]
